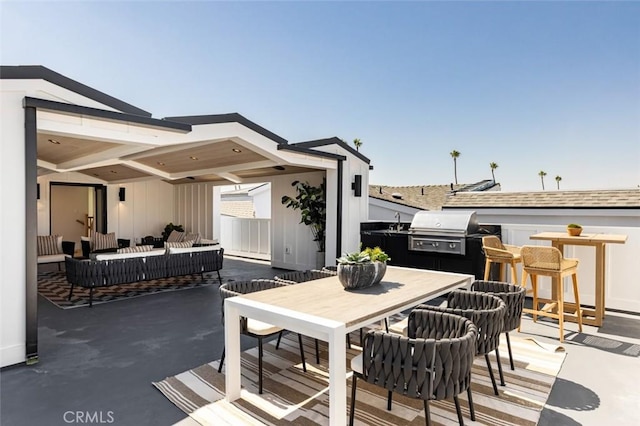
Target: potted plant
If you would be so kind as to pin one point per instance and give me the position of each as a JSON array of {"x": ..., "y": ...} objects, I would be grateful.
[
  {"x": 310, "y": 200},
  {"x": 574, "y": 229},
  {"x": 362, "y": 269}
]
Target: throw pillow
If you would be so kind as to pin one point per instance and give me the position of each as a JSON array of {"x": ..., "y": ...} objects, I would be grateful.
[
  {"x": 175, "y": 236},
  {"x": 182, "y": 244},
  {"x": 104, "y": 241},
  {"x": 192, "y": 237},
  {"x": 137, "y": 249},
  {"x": 49, "y": 244}
]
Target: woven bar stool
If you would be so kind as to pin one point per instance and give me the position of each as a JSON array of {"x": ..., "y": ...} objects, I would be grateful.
[
  {"x": 502, "y": 254},
  {"x": 549, "y": 262}
]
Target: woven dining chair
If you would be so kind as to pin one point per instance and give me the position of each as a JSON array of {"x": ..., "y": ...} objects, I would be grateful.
[
  {"x": 434, "y": 364},
  {"x": 513, "y": 297},
  {"x": 251, "y": 327},
  {"x": 486, "y": 312},
  {"x": 502, "y": 254},
  {"x": 549, "y": 261}
]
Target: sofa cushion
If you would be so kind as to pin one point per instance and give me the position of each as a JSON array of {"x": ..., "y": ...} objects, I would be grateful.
[
  {"x": 178, "y": 250},
  {"x": 104, "y": 241},
  {"x": 175, "y": 236},
  {"x": 182, "y": 244},
  {"x": 51, "y": 258},
  {"x": 137, "y": 249},
  {"x": 113, "y": 256},
  {"x": 49, "y": 244}
]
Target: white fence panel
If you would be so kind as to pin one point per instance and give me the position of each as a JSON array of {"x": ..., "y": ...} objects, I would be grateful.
[{"x": 247, "y": 237}]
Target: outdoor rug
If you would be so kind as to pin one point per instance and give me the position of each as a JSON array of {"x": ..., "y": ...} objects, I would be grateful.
[
  {"x": 54, "y": 287},
  {"x": 293, "y": 397}
]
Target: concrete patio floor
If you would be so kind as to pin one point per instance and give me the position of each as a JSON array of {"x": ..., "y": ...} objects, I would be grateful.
[{"x": 103, "y": 360}]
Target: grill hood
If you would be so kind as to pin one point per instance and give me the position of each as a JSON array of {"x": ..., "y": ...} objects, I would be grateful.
[{"x": 441, "y": 222}]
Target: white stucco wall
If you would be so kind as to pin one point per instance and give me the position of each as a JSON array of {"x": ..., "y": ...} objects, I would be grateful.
[{"x": 262, "y": 201}]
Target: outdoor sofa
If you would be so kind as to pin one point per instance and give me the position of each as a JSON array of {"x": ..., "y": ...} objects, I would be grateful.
[
  {"x": 51, "y": 249},
  {"x": 107, "y": 269}
]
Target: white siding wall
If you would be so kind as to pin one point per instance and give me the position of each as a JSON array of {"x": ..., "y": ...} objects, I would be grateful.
[
  {"x": 621, "y": 289},
  {"x": 194, "y": 208}
]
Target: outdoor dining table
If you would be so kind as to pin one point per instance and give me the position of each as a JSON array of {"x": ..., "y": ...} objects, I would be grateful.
[
  {"x": 559, "y": 240},
  {"x": 322, "y": 309}
]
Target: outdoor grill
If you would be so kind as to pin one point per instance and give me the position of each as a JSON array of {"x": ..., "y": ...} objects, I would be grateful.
[{"x": 442, "y": 231}]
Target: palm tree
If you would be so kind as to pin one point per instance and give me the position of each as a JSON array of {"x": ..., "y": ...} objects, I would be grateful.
[
  {"x": 357, "y": 143},
  {"x": 558, "y": 179},
  {"x": 493, "y": 167},
  {"x": 542, "y": 174},
  {"x": 455, "y": 154}
]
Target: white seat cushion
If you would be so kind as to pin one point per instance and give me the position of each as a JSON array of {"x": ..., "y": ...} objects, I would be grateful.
[
  {"x": 356, "y": 363},
  {"x": 177, "y": 250},
  {"x": 400, "y": 327},
  {"x": 51, "y": 258},
  {"x": 260, "y": 328},
  {"x": 113, "y": 256}
]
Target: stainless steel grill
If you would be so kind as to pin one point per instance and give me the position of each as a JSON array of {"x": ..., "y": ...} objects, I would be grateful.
[{"x": 442, "y": 231}]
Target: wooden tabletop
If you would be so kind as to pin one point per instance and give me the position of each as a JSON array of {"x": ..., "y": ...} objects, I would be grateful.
[
  {"x": 582, "y": 238},
  {"x": 326, "y": 298}
]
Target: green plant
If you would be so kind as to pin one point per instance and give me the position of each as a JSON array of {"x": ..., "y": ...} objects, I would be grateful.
[
  {"x": 169, "y": 228},
  {"x": 368, "y": 255},
  {"x": 574, "y": 225},
  {"x": 310, "y": 200}
]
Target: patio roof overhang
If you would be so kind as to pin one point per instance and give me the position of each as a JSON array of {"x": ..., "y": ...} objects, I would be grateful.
[{"x": 120, "y": 147}]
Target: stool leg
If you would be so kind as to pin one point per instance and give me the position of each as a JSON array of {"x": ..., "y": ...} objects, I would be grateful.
[
  {"x": 487, "y": 269},
  {"x": 514, "y": 274},
  {"x": 525, "y": 275},
  {"x": 534, "y": 285},
  {"x": 560, "y": 291},
  {"x": 576, "y": 296}
]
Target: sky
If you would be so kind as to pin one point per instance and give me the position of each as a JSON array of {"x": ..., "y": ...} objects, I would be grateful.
[{"x": 532, "y": 86}]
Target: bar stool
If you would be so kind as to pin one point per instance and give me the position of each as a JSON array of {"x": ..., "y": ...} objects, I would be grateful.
[
  {"x": 549, "y": 261},
  {"x": 503, "y": 254}
]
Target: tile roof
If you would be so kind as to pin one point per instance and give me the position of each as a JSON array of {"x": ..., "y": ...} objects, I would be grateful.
[
  {"x": 629, "y": 198},
  {"x": 423, "y": 197},
  {"x": 237, "y": 209}
]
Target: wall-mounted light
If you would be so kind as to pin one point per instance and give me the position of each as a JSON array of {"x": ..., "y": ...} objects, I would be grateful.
[
  {"x": 356, "y": 185},
  {"x": 121, "y": 194},
  {"x": 38, "y": 191}
]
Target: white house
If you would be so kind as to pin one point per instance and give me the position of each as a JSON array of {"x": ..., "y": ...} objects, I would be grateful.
[{"x": 56, "y": 132}]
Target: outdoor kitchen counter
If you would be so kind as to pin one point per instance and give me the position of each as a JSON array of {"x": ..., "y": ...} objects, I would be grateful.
[{"x": 560, "y": 239}]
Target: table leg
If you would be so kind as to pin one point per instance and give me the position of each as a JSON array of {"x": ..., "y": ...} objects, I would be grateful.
[
  {"x": 600, "y": 290},
  {"x": 337, "y": 377},
  {"x": 232, "y": 349}
]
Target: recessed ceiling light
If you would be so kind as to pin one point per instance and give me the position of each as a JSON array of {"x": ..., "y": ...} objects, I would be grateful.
[
  {"x": 113, "y": 171},
  {"x": 236, "y": 150},
  {"x": 193, "y": 158},
  {"x": 278, "y": 167},
  {"x": 53, "y": 141},
  {"x": 160, "y": 163},
  {"x": 191, "y": 178}
]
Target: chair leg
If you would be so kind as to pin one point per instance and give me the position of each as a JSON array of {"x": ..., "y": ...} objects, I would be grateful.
[
  {"x": 472, "y": 410},
  {"x": 279, "y": 338},
  {"x": 509, "y": 348},
  {"x": 500, "y": 367},
  {"x": 458, "y": 411},
  {"x": 317, "y": 352},
  {"x": 389, "y": 400},
  {"x": 560, "y": 307},
  {"x": 352, "y": 409},
  {"x": 71, "y": 291},
  {"x": 91, "y": 297},
  {"x": 304, "y": 364},
  {"x": 534, "y": 284},
  {"x": 576, "y": 296},
  {"x": 493, "y": 379},
  {"x": 221, "y": 360},
  {"x": 386, "y": 325},
  {"x": 427, "y": 413},
  {"x": 487, "y": 269},
  {"x": 260, "y": 365},
  {"x": 348, "y": 341},
  {"x": 514, "y": 274},
  {"x": 523, "y": 284},
  {"x": 219, "y": 278}
]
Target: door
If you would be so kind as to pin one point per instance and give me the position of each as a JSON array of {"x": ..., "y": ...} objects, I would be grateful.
[{"x": 70, "y": 211}]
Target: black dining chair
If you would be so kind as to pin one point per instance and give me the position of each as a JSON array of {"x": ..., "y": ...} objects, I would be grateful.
[
  {"x": 433, "y": 364},
  {"x": 513, "y": 297},
  {"x": 251, "y": 327}
]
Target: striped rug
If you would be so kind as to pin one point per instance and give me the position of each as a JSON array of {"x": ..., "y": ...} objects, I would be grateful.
[{"x": 293, "y": 397}]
